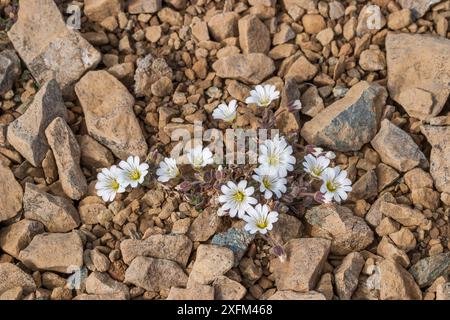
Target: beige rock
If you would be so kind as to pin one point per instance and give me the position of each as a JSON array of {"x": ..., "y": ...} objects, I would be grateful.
[
  {"x": 60, "y": 252},
  {"x": 11, "y": 194},
  {"x": 254, "y": 37},
  {"x": 406, "y": 216},
  {"x": 312, "y": 102},
  {"x": 26, "y": 134},
  {"x": 170, "y": 16},
  {"x": 115, "y": 296},
  {"x": 386, "y": 143},
  {"x": 293, "y": 295},
  {"x": 12, "y": 276},
  {"x": 305, "y": 260},
  {"x": 287, "y": 227},
  {"x": 284, "y": 34},
  {"x": 162, "y": 87},
  {"x": 282, "y": 51},
  {"x": 418, "y": 178},
  {"x": 365, "y": 187},
  {"x": 388, "y": 250},
  {"x": 325, "y": 286},
  {"x": 385, "y": 176},
  {"x": 223, "y": 25},
  {"x": 325, "y": 36},
  {"x": 170, "y": 247},
  {"x": 443, "y": 291},
  {"x": 370, "y": 20},
  {"x": 200, "y": 31},
  {"x": 67, "y": 157},
  {"x": 346, "y": 231},
  {"x": 425, "y": 197},
  {"x": 196, "y": 292},
  {"x": 387, "y": 226},
  {"x": 15, "y": 293},
  {"x": 350, "y": 122},
  {"x": 108, "y": 110},
  {"x": 445, "y": 198},
  {"x": 418, "y": 7},
  {"x": 10, "y": 70},
  {"x": 251, "y": 68},
  {"x": 313, "y": 23},
  {"x": 18, "y": 236},
  {"x": 144, "y": 6},
  {"x": 149, "y": 71},
  {"x": 227, "y": 289},
  {"x": 211, "y": 262},
  {"x": 93, "y": 154},
  {"x": 396, "y": 283},
  {"x": 347, "y": 274},
  {"x": 102, "y": 284},
  {"x": 98, "y": 10},
  {"x": 399, "y": 19},
  {"x": 404, "y": 239},
  {"x": 427, "y": 57},
  {"x": 48, "y": 47},
  {"x": 302, "y": 70},
  {"x": 336, "y": 10},
  {"x": 155, "y": 274},
  {"x": 204, "y": 226},
  {"x": 372, "y": 60}
]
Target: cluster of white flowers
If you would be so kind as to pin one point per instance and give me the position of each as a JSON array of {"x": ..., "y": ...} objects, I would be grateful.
[
  {"x": 335, "y": 184},
  {"x": 115, "y": 180}
]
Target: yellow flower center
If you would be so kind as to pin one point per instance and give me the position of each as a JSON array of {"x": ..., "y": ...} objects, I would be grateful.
[
  {"x": 331, "y": 186},
  {"x": 317, "y": 171},
  {"x": 135, "y": 175},
  {"x": 115, "y": 185},
  {"x": 265, "y": 102},
  {"x": 266, "y": 183},
  {"x": 273, "y": 160},
  {"x": 239, "y": 196},
  {"x": 262, "y": 224}
]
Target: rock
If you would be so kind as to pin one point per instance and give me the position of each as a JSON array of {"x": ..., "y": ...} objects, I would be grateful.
[
  {"x": 386, "y": 176},
  {"x": 325, "y": 286},
  {"x": 227, "y": 289},
  {"x": 426, "y": 270},
  {"x": 284, "y": 34},
  {"x": 372, "y": 60},
  {"x": 443, "y": 291},
  {"x": 325, "y": 36},
  {"x": 170, "y": 247},
  {"x": 404, "y": 215},
  {"x": 10, "y": 70},
  {"x": 250, "y": 270},
  {"x": 99, "y": 10},
  {"x": 153, "y": 33},
  {"x": 418, "y": 7},
  {"x": 162, "y": 88},
  {"x": 149, "y": 71},
  {"x": 100, "y": 261},
  {"x": 56, "y": 214},
  {"x": 425, "y": 197},
  {"x": 155, "y": 274},
  {"x": 305, "y": 260},
  {"x": 11, "y": 194},
  {"x": 67, "y": 157},
  {"x": 336, "y": 10},
  {"x": 204, "y": 226},
  {"x": 200, "y": 31},
  {"x": 108, "y": 110},
  {"x": 93, "y": 154},
  {"x": 387, "y": 226},
  {"x": 399, "y": 19},
  {"x": 102, "y": 284},
  {"x": 374, "y": 215},
  {"x": 252, "y": 68},
  {"x": 237, "y": 240},
  {"x": 115, "y": 296},
  {"x": 293, "y": 295},
  {"x": 170, "y": 16},
  {"x": 349, "y": 123},
  {"x": 254, "y": 37},
  {"x": 347, "y": 274},
  {"x": 302, "y": 70},
  {"x": 404, "y": 239},
  {"x": 440, "y": 161},
  {"x": 312, "y": 102},
  {"x": 366, "y": 187},
  {"x": 287, "y": 228},
  {"x": 386, "y": 143},
  {"x": 211, "y": 262},
  {"x": 346, "y": 231},
  {"x": 418, "y": 178},
  {"x": 144, "y": 6},
  {"x": 18, "y": 236},
  {"x": 60, "y": 252},
  {"x": 12, "y": 276},
  {"x": 422, "y": 77},
  {"x": 370, "y": 18},
  {"x": 197, "y": 292},
  {"x": 388, "y": 250},
  {"x": 313, "y": 23},
  {"x": 396, "y": 283},
  {"x": 26, "y": 133},
  {"x": 223, "y": 25},
  {"x": 15, "y": 293},
  {"x": 48, "y": 47}
]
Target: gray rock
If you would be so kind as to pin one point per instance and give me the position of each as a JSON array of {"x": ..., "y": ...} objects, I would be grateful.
[
  {"x": 149, "y": 70},
  {"x": 12, "y": 276},
  {"x": 237, "y": 240},
  {"x": 101, "y": 283},
  {"x": 418, "y": 7},
  {"x": 347, "y": 274},
  {"x": 9, "y": 70},
  {"x": 426, "y": 270}
]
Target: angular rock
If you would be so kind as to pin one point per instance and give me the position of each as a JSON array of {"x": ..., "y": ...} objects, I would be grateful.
[
  {"x": 197, "y": 292},
  {"x": 223, "y": 25},
  {"x": 425, "y": 197},
  {"x": 204, "y": 226},
  {"x": 406, "y": 216},
  {"x": 443, "y": 291},
  {"x": 93, "y": 154},
  {"x": 426, "y": 270},
  {"x": 60, "y": 252},
  {"x": 301, "y": 70},
  {"x": 399, "y": 19},
  {"x": 349, "y": 123},
  {"x": 312, "y": 102},
  {"x": 418, "y": 7},
  {"x": 347, "y": 274},
  {"x": 170, "y": 247},
  {"x": 210, "y": 263},
  {"x": 48, "y": 47},
  {"x": 287, "y": 227},
  {"x": 55, "y": 213},
  {"x": 11, "y": 194},
  {"x": 12, "y": 276},
  {"x": 404, "y": 239},
  {"x": 237, "y": 240},
  {"x": 108, "y": 110},
  {"x": 386, "y": 143},
  {"x": 10, "y": 70},
  {"x": 15, "y": 293},
  {"x": 365, "y": 188},
  {"x": 26, "y": 133},
  {"x": 18, "y": 236},
  {"x": 155, "y": 274},
  {"x": 293, "y": 295},
  {"x": 67, "y": 157},
  {"x": 388, "y": 250},
  {"x": 99, "y": 10},
  {"x": 374, "y": 215},
  {"x": 102, "y": 284},
  {"x": 149, "y": 71},
  {"x": 418, "y": 178},
  {"x": 426, "y": 76},
  {"x": 115, "y": 296},
  {"x": 385, "y": 176},
  {"x": 252, "y": 68},
  {"x": 438, "y": 137},
  {"x": 372, "y": 60},
  {"x": 227, "y": 289},
  {"x": 254, "y": 37},
  {"x": 305, "y": 260},
  {"x": 396, "y": 283},
  {"x": 346, "y": 231},
  {"x": 144, "y": 6}
]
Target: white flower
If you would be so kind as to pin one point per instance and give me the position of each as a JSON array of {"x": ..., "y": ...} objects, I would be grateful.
[
  {"x": 275, "y": 157},
  {"x": 199, "y": 157},
  {"x": 315, "y": 166},
  {"x": 317, "y": 152},
  {"x": 330, "y": 155},
  {"x": 226, "y": 112},
  {"x": 270, "y": 184},
  {"x": 296, "y": 105},
  {"x": 108, "y": 185},
  {"x": 237, "y": 198},
  {"x": 133, "y": 172},
  {"x": 167, "y": 170},
  {"x": 260, "y": 219},
  {"x": 335, "y": 184},
  {"x": 263, "y": 95}
]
